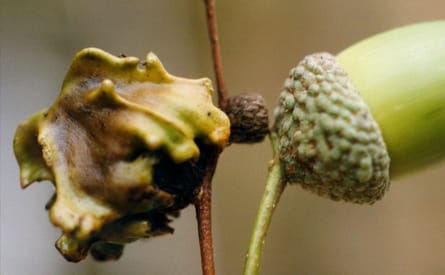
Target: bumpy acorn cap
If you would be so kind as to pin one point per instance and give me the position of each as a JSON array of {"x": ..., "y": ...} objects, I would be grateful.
[
  {"x": 122, "y": 145},
  {"x": 329, "y": 142},
  {"x": 249, "y": 120}
]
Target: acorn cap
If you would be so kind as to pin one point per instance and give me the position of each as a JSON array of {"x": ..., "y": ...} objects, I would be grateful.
[{"x": 329, "y": 142}]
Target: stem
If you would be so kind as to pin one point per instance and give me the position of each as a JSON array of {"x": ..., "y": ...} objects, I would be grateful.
[
  {"x": 213, "y": 34},
  {"x": 203, "y": 208},
  {"x": 271, "y": 196},
  {"x": 204, "y": 203}
]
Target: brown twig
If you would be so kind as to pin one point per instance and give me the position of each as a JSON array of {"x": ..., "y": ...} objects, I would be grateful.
[
  {"x": 214, "y": 40},
  {"x": 204, "y": 203},
  {"x": 204, "y": 215}
]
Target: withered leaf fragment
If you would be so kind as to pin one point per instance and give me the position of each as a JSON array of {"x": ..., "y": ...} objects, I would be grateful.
[{"x": 123, "y": 145}]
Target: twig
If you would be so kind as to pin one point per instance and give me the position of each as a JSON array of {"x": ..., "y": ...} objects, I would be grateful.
[
  {"x": 214, "y": 40},
  {"x": 271, "y": 196},
  {"x": 204, "y": 216},
  {"x": 204, "y": 203}
]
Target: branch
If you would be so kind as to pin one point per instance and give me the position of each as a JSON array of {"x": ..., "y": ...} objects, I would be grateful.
[
  {"x": 217, "y": 65},
  {"x": 204, "y": 216},
  {"x": 204, "y": 203}
]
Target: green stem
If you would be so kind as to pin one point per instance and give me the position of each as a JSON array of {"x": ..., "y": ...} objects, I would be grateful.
[{"x": 272, "y": 193}]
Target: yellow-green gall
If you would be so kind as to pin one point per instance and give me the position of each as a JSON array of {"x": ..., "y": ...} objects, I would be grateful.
[{"x": 106, "y": 141}]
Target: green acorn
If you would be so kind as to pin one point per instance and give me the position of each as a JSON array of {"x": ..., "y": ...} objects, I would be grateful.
[
  {"x": 346, "y": 125},
  {"x": 340, "y": 120},
  {"x": 124, "y": 145}
]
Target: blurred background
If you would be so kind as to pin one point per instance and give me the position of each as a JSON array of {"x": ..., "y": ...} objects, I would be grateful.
[{"x": 261, "y": 40}]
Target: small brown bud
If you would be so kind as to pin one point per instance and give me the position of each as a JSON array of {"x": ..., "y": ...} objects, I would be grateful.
[{"x": 248, "y": 118}]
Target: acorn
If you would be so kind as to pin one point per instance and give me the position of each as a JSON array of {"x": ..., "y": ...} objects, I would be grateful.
[
  {"x": 346, "y": 125},
  {"x": 124, "y": 145},
  {"x": 249, "y": 119}
]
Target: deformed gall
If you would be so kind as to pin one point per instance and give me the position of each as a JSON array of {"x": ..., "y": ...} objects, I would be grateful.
[{"x": 124, "y": 145}]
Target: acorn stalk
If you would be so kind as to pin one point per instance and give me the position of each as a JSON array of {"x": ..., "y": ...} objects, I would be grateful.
[
  {"x": 401, "y": 76},
  {"x": 271, "y": 196}
]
